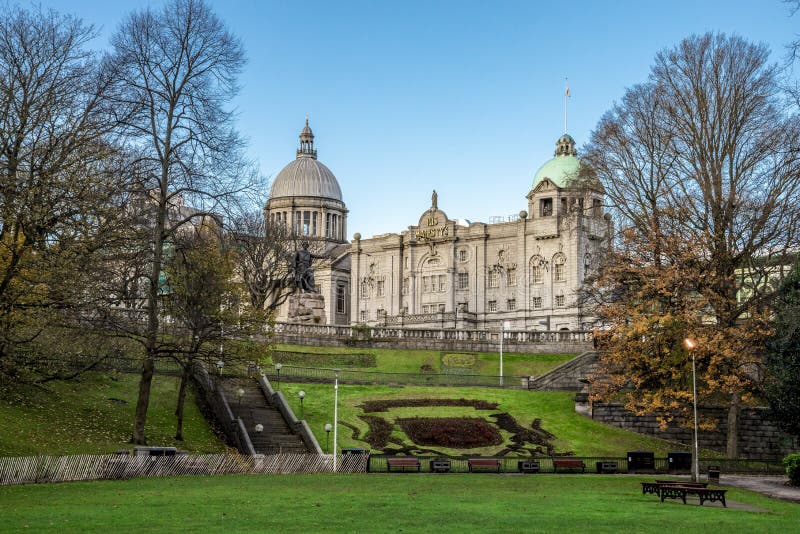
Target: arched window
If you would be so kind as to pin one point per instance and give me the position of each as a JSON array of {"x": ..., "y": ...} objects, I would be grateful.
[{"x": 559, "y": 268}]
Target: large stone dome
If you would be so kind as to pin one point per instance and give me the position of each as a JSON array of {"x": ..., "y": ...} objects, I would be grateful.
[
  {"x": 564, "y": 167},
  {"x": 305, "y": 176}
]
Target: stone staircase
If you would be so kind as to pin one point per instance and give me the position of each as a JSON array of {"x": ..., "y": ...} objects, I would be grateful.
[
  {"x": 569, "y": 376},
  {"x": 254, "y": 409}
]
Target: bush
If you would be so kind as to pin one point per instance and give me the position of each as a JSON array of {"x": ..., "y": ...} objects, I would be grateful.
[{"x": 792, "y": 464}]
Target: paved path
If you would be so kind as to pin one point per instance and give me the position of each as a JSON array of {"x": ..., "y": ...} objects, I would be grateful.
[{"x": 772, "y": 486}]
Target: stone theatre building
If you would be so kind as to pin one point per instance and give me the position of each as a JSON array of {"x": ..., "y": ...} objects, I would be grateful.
[
  {"x": 447, "y": 273},
  {"x": 442, "y": 273}
]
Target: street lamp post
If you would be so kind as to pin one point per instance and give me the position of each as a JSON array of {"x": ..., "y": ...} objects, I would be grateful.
[
  {"x": 503, "y": 326},
  {"x": 302, "y": 395},
  {"x": 278, "y": 372},
  {"x": 335, "y": 415},
  {"x": 328, "y": 428},
  {"x": 691, "y": 345}
]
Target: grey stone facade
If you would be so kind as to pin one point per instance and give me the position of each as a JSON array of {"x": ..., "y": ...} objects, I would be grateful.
[{"x": 523, "y": 273}]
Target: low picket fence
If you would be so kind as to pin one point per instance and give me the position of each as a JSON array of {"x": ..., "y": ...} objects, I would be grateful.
[{"x": 46, "y": 469}]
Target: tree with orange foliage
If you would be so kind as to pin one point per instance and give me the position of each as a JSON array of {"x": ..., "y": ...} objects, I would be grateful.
[{"x": 701, "y": 167}]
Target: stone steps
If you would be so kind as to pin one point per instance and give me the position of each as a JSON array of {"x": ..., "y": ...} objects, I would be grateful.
[{"x": 253, "y": 409}]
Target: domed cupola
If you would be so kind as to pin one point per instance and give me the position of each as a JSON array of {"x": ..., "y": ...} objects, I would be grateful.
[
  {"x": 564, "y": 167},
  {"x": 306, "y": 197},
  {"x": 305, "y": 176}
]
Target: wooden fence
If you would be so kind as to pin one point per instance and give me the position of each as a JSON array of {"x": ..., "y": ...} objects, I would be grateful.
[{"x": 44, "y": 469}]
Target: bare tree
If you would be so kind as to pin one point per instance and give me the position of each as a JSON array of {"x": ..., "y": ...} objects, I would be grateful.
[
  {"x": 177, "y": 69},
  {"x": 264, "y": 259},
  {"x": 712, "y": 169},
  {"x": 57, "y": 181}
]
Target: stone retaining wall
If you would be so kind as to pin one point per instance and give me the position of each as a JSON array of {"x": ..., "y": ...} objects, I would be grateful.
[{"x": 759, "y": 438}]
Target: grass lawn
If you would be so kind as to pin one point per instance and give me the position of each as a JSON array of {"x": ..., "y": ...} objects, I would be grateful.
[
  {"x": 574, "y": 432},
  {"x": 94, "y": 414},
  {"x": 380, "y": 503},
  {"x": 410, "y": 361}
]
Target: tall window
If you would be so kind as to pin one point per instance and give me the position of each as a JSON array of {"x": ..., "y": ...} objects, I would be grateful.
[
  {"x": 442, "y": 283},
  {"x": 405, "y": 286},
  {"x": 536, "y": 303},
  {"x": 511, "y": 304},
  {"x": 341, "y": 302},
  {"x": 492, "y": 305},
  {"x": 511, "y": 276},
  {"x": 494, "y": 279},
  {"x": 379, "y": 288},
  {"x": 546, "y": 207},
  {"x": 537, "y": 274},
  {"x": 463, "y": 280},
  {"x": 559, "y": 271},
  {"x": 313, "y": 223},
  {"x": 306, "y": 222},
  {"x": 462, "y": 255},
  {"x": 560, "y": 301},
  {"x": 426, "y": 284},
  {"x": 363, "y": 316},
  {"x": 364, "y": 290}
]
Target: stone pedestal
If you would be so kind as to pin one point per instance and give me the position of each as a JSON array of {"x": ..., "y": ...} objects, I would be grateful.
[{"x": 307, "y": 308}]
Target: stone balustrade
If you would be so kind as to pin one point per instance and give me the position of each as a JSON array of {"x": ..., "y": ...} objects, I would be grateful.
[{"x": 535, "y": 341}]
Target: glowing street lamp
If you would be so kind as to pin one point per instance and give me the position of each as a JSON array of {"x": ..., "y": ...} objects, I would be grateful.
[{"x": 690, "y": 345}]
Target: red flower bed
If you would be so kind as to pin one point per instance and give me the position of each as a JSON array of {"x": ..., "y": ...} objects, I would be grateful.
[{"x": 452, "y": 432}]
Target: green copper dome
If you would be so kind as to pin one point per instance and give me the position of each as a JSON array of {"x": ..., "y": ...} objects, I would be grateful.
[{"x": 564, "y": 167}]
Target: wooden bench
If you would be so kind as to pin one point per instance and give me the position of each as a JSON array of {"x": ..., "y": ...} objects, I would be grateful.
[
  {"x": 402, "y": 462},
  {"x": 483, "y": 463},
  {"x": 568, "y": 463}
]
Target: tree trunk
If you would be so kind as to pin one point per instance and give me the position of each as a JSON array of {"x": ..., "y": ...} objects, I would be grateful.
[
  {"x": 181, "y": 403},
  {"x": 732, "y": 450},
  {"x": 148, "y": 368},
  {"x": 151, "y": 344}
]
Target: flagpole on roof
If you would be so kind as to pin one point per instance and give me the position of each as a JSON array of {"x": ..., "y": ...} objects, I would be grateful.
[{"x": 566, "y": 96}]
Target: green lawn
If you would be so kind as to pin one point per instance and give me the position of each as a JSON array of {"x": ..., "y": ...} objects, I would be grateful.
[
  {"x": 380, "y": 503},
  {"x": 411, "y": 361},
  {"x": 94, "y": 414},
  {"x": 574, "y": 432}
]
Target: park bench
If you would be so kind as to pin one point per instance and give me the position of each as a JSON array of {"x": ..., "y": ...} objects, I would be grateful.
[
  {"x": 527, "y": 466},
  {"x": 483, "y": 463},
  {"x": 655, "y": 487},
  {"x": 402, "y": 462},
  {"x": 679, "y": 491},
  {"x": 568, "y": 463}
]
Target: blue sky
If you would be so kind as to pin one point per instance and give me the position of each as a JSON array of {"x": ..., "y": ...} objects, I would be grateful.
[{"x": 465, "y": 97}]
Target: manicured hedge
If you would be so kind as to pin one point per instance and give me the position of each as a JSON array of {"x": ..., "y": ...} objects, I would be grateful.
[
  {"x": 310, "y": 359},
  {"x": 385, "y": 405}
]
